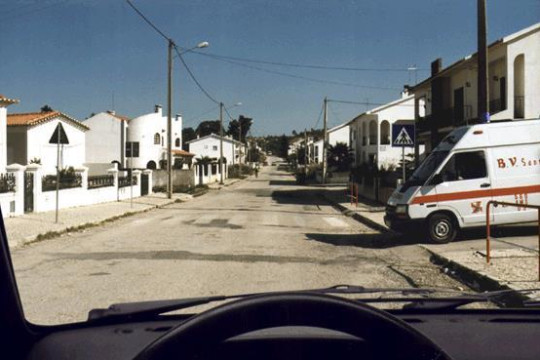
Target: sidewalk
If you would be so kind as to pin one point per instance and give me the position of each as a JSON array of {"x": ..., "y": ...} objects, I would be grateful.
[
  {"x": 29, "y": 227},
  {"x": 514, "y": 263},
  {"x": 368, "y": 212}
]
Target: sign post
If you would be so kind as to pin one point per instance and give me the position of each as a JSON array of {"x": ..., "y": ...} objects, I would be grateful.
[
  {"x": 58, "y": 137},
  {"x": 403, "y": 135}
]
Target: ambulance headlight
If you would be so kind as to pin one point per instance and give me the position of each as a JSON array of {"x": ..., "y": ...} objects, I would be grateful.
[{"x": 402, "y": 209}]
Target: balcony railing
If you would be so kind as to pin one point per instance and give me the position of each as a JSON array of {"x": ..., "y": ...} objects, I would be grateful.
[
  {"x": 7, "y": 183},
  {"x": 48, "y": 182},
  {"x": 123, "y": 181},
  {"x": 99, "y": 181}
]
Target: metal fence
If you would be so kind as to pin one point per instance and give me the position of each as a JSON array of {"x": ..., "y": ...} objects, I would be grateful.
[
  {"x": 7, "y": 183},
  {"x": 48, "y": 182},
  {"x": 123, "y": 181},
  {"x": 99, "y": 181}
]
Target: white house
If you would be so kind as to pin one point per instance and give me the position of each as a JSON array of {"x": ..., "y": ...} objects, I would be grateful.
[
  {"x": 233, "y": 150},
  {"x": 371, "y": 133},
  {"x": 106, "y": 140},
  {"x": 147, "y": 137},
  {"x": 4, "y": 103},
  {"x": 449, "y": 97},
  {"x": 337, "y": 134},
  {"x": 29, "y": 134}
]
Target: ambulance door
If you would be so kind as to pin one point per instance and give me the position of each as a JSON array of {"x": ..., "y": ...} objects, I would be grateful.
[{"x": 465, "y": 186}]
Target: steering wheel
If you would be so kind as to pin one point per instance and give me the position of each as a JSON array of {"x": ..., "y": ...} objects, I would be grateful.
[{"x": 391, "y": 338}]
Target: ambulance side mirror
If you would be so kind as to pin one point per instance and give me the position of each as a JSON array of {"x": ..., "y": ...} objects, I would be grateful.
[{"x": 436, "y": 179}]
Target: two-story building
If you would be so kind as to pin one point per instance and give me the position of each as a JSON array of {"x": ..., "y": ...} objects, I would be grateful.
[
  {"x": 209, "y": 146},
  {"x": 337, "y": 134},
  {"x": 29, "y": 140},
  {"x": 106, "y": 140},
  {"x": 371, "y": 133},
  {"x": 449, "y": 97},
  {"x": 146, "y": 146}
]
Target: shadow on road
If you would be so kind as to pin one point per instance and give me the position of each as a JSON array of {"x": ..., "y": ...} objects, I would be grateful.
[
  {"x": 367, "y": 241},
  {"x": 300, "y": 197},
  {"x": 290, "y": 182}
]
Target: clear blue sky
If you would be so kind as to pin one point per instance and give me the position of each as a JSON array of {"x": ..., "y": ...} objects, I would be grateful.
[{"x": 75, "y": 54}]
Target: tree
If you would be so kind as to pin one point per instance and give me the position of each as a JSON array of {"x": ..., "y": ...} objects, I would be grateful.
[
  {"x": 244, "y": 123},
  {"x": 188, "y": 134},
  {"x": 283, "y": 146},
  {"x": 46, "y": 108},
  {"x": 208, "y": 127},
  {"x": 339, "y": 156}
]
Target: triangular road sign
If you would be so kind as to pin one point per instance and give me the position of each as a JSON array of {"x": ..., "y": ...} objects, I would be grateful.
[
  {"x": 63, "y": 136},
  {"x": 403, "y": 138}
]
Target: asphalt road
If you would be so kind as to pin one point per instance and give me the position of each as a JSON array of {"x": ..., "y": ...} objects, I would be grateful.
[{"x": 260, "y": 234}]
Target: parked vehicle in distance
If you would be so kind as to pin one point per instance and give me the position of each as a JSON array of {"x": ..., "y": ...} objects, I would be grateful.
[{"x": 471, "y": 166}]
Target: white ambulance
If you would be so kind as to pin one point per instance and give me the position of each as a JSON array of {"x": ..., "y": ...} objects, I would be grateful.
[{"x": 472, "y": 165}]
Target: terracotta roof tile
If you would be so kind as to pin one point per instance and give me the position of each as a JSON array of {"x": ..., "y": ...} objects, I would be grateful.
[
  {"x": 32, "y": 119},
  {"x": 8, "y": 101},
  {"x": 182, "y": 153}
]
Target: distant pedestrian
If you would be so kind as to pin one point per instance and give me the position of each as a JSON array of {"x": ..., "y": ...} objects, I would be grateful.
[{"x": 256, "y": 172}]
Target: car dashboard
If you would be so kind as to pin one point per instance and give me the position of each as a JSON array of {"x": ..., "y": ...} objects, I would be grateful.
[{"x": 463, "y": 334}]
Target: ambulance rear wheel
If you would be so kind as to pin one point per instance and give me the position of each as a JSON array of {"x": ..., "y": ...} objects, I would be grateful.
[{"x": 441, "y": 229}]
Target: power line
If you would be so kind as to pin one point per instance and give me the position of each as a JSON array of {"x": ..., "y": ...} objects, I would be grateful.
[
  {"x": 194, "y": 78},
  {"x": 198, "y": 116},
  {"x": 304, "y": 77},
  {"x": 307, "y": 66},
  {"x": 148, "y": 21},
  {"x": 363, "y": 103},
  {"x": 319, "y": 118}
]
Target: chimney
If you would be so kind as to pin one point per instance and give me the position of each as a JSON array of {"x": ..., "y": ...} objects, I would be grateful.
[
  {"x": 178, "y": 117},
  {"x": 157, "y": 109},
  {"x": 436, "y": 66}
]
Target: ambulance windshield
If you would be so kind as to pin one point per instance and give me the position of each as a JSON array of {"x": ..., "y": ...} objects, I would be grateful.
[{"x": 424, "y": 171}]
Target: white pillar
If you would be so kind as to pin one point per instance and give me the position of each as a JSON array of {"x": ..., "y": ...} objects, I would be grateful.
[
  {"x": 18, "y": 172},
  {"x": 137, "y": 188},
  {"x": 114, "y": 173}
]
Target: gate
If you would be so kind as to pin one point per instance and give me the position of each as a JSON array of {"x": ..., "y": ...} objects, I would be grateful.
[
  {"x": 28, "y": 192},
  {"x": 144, "y": 184}
]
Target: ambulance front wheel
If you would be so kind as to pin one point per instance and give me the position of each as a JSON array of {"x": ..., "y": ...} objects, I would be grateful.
[{"x": 442, "y": 228}]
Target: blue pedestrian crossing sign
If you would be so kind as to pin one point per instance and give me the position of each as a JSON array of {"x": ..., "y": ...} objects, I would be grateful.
[{"x": 403, "y": 135}]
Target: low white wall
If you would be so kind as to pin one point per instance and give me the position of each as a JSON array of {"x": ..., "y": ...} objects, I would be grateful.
[{"x": 6, "y": 201}]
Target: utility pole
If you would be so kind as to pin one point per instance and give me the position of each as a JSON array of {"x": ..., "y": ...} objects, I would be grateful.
[
  {"x": 305, "y": 151},
  {"x": 169, "y": 121},
  {"x": 325, "y": 142},
  {"x": 240, "y": 150},
  {"x": 221, "y": 142},
  {"x": 483, "y": 91}
]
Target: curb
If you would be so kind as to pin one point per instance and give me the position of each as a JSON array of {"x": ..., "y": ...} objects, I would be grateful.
[
  {"x": 356, "y": 216},
  {"x": 476, "y": 280},
  {"x": 76, "y": 228}
]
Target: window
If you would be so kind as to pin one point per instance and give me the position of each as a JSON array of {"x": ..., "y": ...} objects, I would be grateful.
[
  {"x": 157, "y": 139},
  {"x": 465, "y": 166},
  {"x": 214, "y": 147},
  {"x": 135, "y": 146},
  {"x": 177, "y": 142}
]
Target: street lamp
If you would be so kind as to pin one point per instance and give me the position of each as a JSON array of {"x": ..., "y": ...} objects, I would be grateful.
[
  {"x": 172, "y": 45},
  {"x": 221, "y": 138}
]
